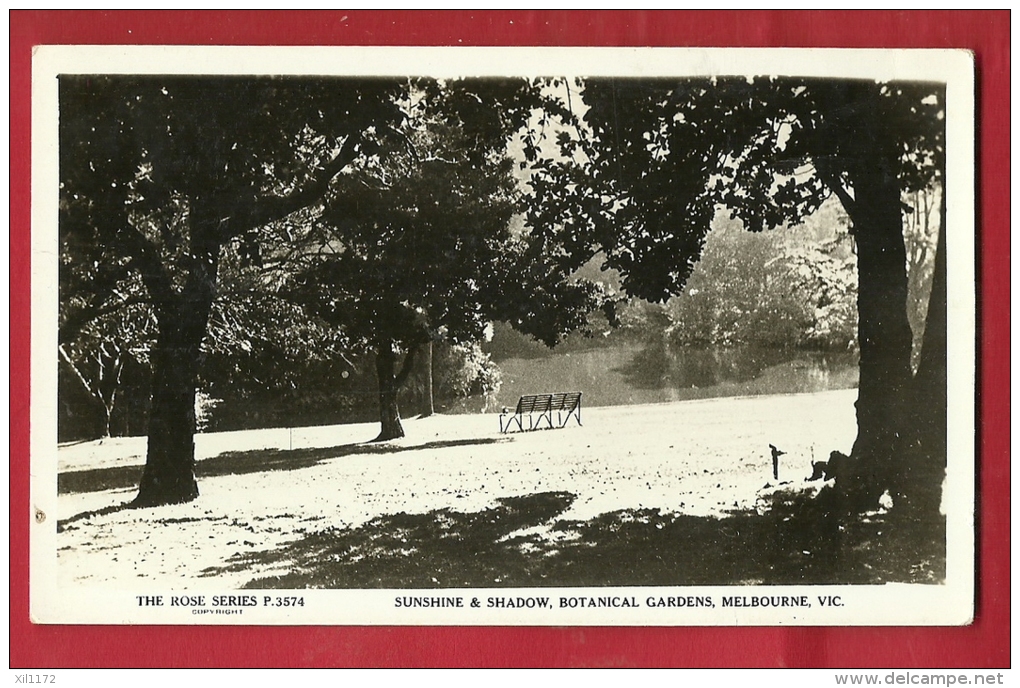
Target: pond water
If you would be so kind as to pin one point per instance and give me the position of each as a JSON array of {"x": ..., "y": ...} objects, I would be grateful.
[{"x": 635, "y": 374}]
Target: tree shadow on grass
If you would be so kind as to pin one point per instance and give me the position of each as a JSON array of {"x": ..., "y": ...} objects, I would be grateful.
[
  {"x": 443, "y": 548},
  {"x": 521, "y": 543},
  {"x": 239, "y": 463},
  {"x": 66, "y": 524}
]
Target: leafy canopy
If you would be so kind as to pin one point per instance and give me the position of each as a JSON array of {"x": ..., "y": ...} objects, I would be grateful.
[
  {"x": 425, "y": 242},
  {"x": 655, "y": 159}
]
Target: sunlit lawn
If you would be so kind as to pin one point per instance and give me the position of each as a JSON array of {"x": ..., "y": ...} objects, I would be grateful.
[{"x": 663, "y": 494}]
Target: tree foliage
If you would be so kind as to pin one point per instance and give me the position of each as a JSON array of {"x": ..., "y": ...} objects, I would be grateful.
[
  {"x": 99, "y": 353},
  {"x": 655, "y": 159},
  {"x": 642, "y": 179},
  {"x": 159, "y": 172},
  {"x": 771, "y": 289},
  {"x": 420, "y": 243}
]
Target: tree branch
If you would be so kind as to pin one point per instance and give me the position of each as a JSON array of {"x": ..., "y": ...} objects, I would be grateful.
[
  {"x": 77, "y": 373},
  {"x": 145, "y": 255},
  {"x": 832, "y": 180},
  {"x": 74, "y": 324},
  {"x": 274, "y": 208}
]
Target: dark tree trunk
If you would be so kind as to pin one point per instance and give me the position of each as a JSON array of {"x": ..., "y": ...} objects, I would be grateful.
[
  {"x": 922, "y": 484},
  {"x": 389, "y": 411},
  {"x": 931, "y": 371},
  {"x": 169, "y": 475},
  {"x": 429, "y": 405},
  {"x": 891, "y": 401},
  {"x": 884, "y": 336}
]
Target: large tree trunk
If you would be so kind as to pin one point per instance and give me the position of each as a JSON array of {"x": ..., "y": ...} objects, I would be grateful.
[
  {"x": 389, "y": 411},
  {"x": 390, "y": 381},
  {"x": 884, "y": 337},
  {"x": 890, "y": 400},
  {"x": 169, "y": 475}
]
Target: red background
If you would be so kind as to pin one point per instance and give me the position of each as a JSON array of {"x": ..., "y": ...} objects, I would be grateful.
[{"x": 984, "y": 644}]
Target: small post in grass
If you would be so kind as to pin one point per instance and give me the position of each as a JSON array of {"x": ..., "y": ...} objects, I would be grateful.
[{"x": 776, "y": 453}]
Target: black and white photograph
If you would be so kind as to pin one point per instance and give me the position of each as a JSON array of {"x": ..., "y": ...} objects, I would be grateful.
[{"x": 503, "y": 336}]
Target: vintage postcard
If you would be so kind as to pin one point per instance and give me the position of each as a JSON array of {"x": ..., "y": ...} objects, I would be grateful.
[{"x": 502, "y": 336}]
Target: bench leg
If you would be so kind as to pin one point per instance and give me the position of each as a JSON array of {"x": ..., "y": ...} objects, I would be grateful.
[
  {"x": 510, "y": 421},
  {"x": 576, "y": 413}
]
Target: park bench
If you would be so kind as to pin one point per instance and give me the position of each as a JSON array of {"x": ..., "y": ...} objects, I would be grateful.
[{"x": 536, "y": 407}]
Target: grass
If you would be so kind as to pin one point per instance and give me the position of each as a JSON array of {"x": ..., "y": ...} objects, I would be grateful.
[
  {"x": 659, "y": 495},
  {"x": 797, "y": 544}
]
